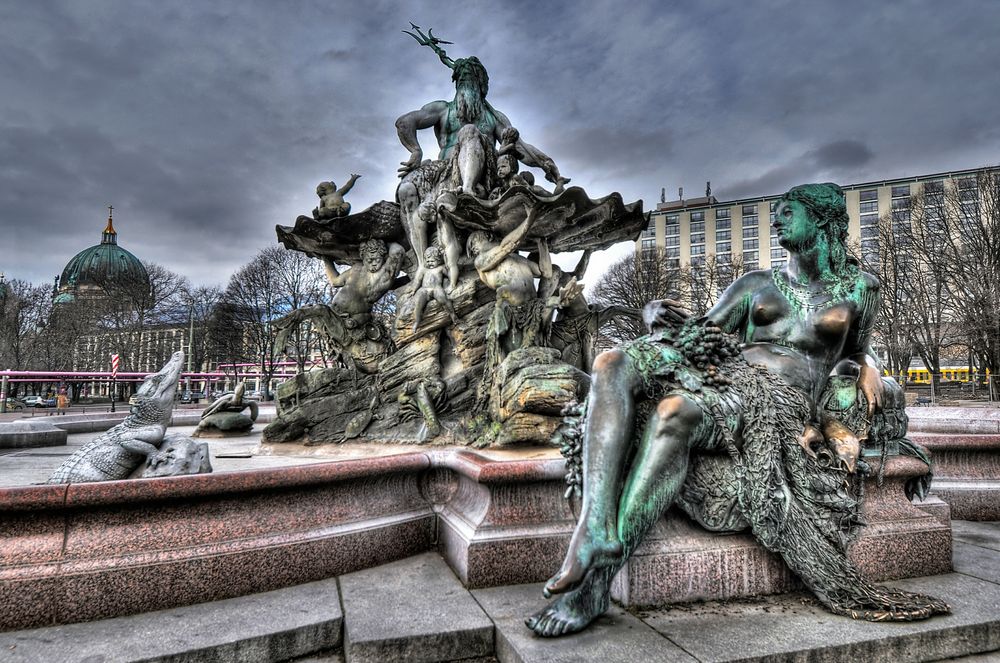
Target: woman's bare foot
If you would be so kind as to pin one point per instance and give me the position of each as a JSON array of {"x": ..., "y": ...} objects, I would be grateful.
[
  {"x": 572, "y": 612},
  {"x": 590, "y": 548}
]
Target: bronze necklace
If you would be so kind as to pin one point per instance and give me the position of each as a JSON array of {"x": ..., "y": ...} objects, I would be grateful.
[{"x": 804, "y": 298}]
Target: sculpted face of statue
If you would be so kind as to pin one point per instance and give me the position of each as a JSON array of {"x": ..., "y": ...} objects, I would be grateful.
[
  {"x": 506, "y": 166},
  {"x": 477, "y": 241},
  {"x": 373, "y": 254},
  {"x": 797, "y": 229},
  {"x": 432, "y": 256}
]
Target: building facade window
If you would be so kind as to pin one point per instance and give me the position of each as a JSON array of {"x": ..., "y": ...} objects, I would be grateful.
[
  {"x": 722, "y": 235},
  {"x": 698, "y": 250},
  {"x": 871, "y": 206},
  {"x": 753, "y": 231},
  {"x": 902, "y": 191},
  {"x": 870, "y": 194},
  {"x": 697, "y": 216},
  {"x": 750, "y": 244},
  {"x": 698, "y": 238},
  {"x": 723, "y": 247}
]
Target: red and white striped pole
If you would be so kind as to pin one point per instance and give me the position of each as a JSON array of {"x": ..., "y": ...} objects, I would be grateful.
[{"x": 115, "y": 361}]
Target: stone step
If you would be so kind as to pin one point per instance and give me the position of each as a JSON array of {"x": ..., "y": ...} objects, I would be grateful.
[
  {"x": 417, "y": 610},
  {"x": 615, "y": 637},
  {"x": 259, "y": 628},
  {"x": 788, "y": 627},
  {"x": 412, "y": 610}
]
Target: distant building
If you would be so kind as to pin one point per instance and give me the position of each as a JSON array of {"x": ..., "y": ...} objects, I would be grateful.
[
  {"x": 106, "y": 274},
  {"x": 100, "y": 270},
  {"x": 740, "y": 230}
]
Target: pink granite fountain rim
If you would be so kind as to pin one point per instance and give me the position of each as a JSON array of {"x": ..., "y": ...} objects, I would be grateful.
[
  {"x": 957, "y": 441},
  {"x": 472, "y": 464}
]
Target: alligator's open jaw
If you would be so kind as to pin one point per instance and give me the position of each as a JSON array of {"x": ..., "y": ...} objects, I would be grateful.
[{"x": 160, "y": 386}]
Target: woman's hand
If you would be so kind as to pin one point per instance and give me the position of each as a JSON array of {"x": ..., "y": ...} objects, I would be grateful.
[
  {"x": 661, "y": 313},
  {"x": 871, "y": 385}
]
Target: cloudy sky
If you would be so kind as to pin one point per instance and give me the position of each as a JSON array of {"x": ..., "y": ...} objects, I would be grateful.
[{"x": 206, "y": 123}]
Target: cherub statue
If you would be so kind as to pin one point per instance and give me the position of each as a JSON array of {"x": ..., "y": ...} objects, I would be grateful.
[
  {"x": 507, "y": 175},
  {"x": 431, "y": 285},
  {"x": 451, "y": 248},
  {"x": 331, "y": 199}
]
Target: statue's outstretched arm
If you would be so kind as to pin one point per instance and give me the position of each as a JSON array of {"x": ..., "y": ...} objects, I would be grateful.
[
  {"x": 335, "y": 278},
  {"x": 544, "y": 260},
  {"x": 528, "y": 154},
  {"x": 342, "y": 191},
  {"x": 492, "y": 258},
  {"x": 581, "y": 266}
]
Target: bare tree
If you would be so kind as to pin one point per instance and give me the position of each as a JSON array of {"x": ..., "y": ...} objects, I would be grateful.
[
  {"x": 128, "y": 309},
  {"x": 923, "y": 277},
  {"x": 273, "y": 283},
  {"x": 633, "y": 281},
  {"x": 968, "y": 249},
  {"x": 885, "y": 253},
  {"x": 705, "y": 280},
  {"x": 24, "y": 310},
  {"x": 301, "y": 282}
]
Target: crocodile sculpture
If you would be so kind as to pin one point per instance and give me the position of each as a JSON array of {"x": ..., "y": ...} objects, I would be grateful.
[{"x": 118, "y": 452}]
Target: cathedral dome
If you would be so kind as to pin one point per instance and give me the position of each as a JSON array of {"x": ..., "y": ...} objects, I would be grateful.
[{"x": 99, "y": 270}]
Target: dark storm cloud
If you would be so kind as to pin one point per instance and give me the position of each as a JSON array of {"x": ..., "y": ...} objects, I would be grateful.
[
  {"x": 841, "y": 156},
  {"x": 207, "y": 123}
]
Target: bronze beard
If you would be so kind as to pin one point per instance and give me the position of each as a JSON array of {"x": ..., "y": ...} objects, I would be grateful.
[{"x": 469, "y": 101}]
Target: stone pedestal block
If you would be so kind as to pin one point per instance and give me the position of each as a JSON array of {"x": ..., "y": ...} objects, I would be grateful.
[
  {"x": 680, "y": 562},
  {"x": 966, "y": 470},
  {"x": 503, "y": 522},
  {"x": 26, "y": 433}
]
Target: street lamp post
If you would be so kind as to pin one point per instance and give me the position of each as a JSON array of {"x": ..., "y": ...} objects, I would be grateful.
[{"x": 114, "y": 379}]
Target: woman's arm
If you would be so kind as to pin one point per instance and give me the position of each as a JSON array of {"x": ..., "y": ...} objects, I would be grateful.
[{"x": 857, "y": 347}]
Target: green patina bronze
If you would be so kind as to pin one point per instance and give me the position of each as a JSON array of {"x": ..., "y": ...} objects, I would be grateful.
[
  {"x": 101, "y": 268},
  {"x": 734, "y": 418}
]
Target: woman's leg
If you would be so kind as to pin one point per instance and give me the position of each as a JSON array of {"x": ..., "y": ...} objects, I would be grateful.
[
  {"x": 655, "y": 477},
  {"x": 607, "y": 434},
  {"x": 659, "y": 470}
]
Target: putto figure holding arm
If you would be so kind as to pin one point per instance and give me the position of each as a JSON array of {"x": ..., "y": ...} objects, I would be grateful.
[
  {"x": 736, "y": 390},
  {"x": 331, "y": 199},
  {"x": 431, "y": 286}
]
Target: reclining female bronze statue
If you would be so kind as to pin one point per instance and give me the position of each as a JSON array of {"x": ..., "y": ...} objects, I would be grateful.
[{"x": 728, "y": 426}]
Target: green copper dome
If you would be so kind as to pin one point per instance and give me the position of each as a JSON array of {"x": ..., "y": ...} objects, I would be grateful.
[{"x": 102, "y": 267}]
